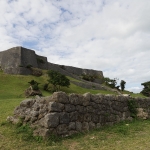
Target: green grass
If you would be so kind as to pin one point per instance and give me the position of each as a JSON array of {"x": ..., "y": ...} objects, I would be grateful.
[{"x": 13, "y": 86}]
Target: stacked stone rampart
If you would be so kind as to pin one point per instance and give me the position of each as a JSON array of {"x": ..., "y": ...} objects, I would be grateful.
[
  {"x": 16, "y": 60},
  {"x": 64, "y": 115}
]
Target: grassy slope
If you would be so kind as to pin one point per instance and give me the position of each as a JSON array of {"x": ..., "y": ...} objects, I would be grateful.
[{"x": 13, "y": 86}]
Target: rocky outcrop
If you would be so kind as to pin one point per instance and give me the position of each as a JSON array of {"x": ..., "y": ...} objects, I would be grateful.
[{"x": 64, "y": 115}]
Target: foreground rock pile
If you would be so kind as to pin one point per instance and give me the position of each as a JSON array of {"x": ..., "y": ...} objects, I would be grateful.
[{"x": 65, "y": 115}]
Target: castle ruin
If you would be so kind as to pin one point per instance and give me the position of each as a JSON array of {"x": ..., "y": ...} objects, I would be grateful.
[{"x": 15, "y": 61}]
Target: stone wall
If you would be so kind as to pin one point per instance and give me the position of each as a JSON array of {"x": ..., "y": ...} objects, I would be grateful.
[
  {"x": 80, "y": 71},
  {"x": 15, "y": 60},
  {"x": 10, "y": 59},
  {"x": 64, "y": 115}
]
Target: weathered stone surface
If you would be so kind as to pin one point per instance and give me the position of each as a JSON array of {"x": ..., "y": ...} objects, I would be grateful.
[
  {"x": 87, "y": 117},
  {"x": 27, "y": 103},
  {"x": 60, "y": 97},
  {"x": 62, "y": 129},
  {"x": 74, "y": 116},
  {"x": 12, "y": 119},
  {"x": 55, "y": 107},
  {"x": 30, "y": 92},
  {"x": 79, "y": 126},
  {"x": 142, "y": 114},
  {"x": 80, "y": 109},
  {"x": 34, "y": 113},
  {"x": 51, "y": 120},
  {"x": 91, "y": 125},
  {"x": 69, "y": 108},
  {"x": 64, "y": 118},
  {"x": 95, "y": 118},
  {"x": 95, "y": 99},
  {"x": 85, "y": 126},
  {"x": 90, "y": 109},
  {"x": 74, "y": 99},
  {"x": 86, "y": 99},
  {"x": 72, "y": 126}
]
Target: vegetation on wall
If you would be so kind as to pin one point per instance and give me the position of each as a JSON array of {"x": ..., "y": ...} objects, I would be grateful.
[
  {"x": 62, "y": 67},
  {"x": 132, "y": 108},
  {"x": 40, "y": 60},
  {"x": 146, "y": 89},
  {"x": 28, "y": 66},
  {"x": 87, "y": 77}
]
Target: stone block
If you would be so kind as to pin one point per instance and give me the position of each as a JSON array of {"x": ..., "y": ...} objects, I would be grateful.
[
  {"x": 69, "y": 108},
  {"x": 80, "y": 109},
  {"x": 86, "y": 99},
  {"x": 51, "y": 120},
  {"x": 75, "y": 99},
  {"x": 60, "y": 97},
  {"x": 55, "y": 107},
  {"x": 64, "y": 118},
  {"x": 85, "y": 126},
  {"x": 79, "y": 126},
  {"x": 87, "y": 117},
  {"x": 62, "y": 129},
  {"x": 73, "y": 116},
  {"x": 72, "y": 126}
]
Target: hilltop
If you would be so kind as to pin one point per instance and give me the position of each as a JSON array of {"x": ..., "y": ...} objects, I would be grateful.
[{"x": 17, "y": 60}]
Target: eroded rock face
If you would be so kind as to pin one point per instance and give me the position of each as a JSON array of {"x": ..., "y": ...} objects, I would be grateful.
[{"x": 63, "y": 114}]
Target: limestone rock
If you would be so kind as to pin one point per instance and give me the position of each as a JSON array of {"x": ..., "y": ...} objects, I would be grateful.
[
  {"x": 142, "y": 114},
  {"x": 51, "y": 120}
]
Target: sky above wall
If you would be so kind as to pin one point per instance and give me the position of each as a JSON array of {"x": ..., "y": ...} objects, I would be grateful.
[{"x": 108, "y": 35}]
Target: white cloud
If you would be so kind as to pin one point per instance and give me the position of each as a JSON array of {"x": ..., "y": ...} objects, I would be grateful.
[{"x": 108, "y": 35}]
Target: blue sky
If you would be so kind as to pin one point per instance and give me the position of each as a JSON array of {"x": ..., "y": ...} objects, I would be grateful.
[{"x": 108, "y": 35}]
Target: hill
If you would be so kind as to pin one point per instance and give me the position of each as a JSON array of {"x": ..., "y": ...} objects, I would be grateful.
[{"x": 13, "y": 86}]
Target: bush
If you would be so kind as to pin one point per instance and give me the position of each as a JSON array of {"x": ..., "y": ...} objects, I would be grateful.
[
  {"x": 88, "y": 77},
  {"x": 57, "y": 80},
  {"x": 132, "y": 107},
  {"x": 39, "y": 60},
  {"x": 36, "y": 72},
  {"x": 34, "y": 85},
  {"x": 28, "y": 66},
  {"x": 45, "y": 87}
]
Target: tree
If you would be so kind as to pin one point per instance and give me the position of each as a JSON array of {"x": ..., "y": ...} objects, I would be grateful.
[
  {"x": 146, "y": 89},
  {"x": 122, "y": 85},
  {"x": 111, "y": 82},
  {"x": 34, "y": 84},
  {"x": 57, "y": 80},
  {"x": 107, "y": 80}
]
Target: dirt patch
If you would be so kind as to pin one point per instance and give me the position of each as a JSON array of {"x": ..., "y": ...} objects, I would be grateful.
[
  {"x": 71, "y": 145},
  {"x": 1, "y": 136}
]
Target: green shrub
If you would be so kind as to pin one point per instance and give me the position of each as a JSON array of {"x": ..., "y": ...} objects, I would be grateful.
[
  {"x": 132, "y": 108},
  {"x": 40, "y": 60},
  {"x": 28, "y": 66}
]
